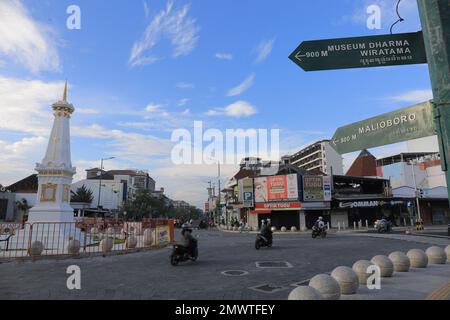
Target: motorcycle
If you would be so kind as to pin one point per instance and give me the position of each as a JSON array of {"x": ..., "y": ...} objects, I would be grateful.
[
  {"x": 181, "y": 254},
  {"x": 262, "y": 241},
  {"x": 316, "y": 232},
  {"x": 383, "y": 227}
]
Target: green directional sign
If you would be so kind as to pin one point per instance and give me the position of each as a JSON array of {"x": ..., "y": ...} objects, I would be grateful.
[
  {"x": 361, "y": 52},
  {"x": 401, "y": 125}
]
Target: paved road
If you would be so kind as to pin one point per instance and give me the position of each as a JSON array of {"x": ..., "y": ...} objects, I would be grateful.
[{"x": 149, "y": 275}]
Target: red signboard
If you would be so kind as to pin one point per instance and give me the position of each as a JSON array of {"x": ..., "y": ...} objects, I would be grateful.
[{"x": 278, "y": 206}]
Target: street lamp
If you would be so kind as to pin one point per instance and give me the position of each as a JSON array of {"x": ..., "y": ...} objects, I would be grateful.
[{"x": 100, "y": 181}]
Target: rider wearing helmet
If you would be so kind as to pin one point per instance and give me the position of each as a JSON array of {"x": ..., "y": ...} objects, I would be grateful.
[
  {"x": 187, "y": 240},
  {"x": 320, "y": 224}
]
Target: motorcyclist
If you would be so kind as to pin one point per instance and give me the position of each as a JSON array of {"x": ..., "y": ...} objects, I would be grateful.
[
  {"x": 319, "y": 224},
  {"x": 187, "y": 240},
  {"x": 266, "y": 230}
]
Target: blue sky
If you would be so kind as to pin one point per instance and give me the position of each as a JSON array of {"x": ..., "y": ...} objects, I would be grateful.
[{"x": 140, "y": 69}]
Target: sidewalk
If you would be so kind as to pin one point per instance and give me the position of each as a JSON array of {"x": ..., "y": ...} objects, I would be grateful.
[{"x": 431, "y": 283}]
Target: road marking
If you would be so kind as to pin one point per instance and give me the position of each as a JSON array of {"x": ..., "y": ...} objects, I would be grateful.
[
  {"x": 268, "y": 288},
  {"x": 273, "y": 264},
  {"x": 234, "y": 273},
  {"x": 443, "y": 293}
]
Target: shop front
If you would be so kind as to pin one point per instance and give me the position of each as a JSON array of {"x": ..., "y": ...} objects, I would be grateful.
[
  {"x": 363, "y": 211},
  {"x": 281, "y": 214}
]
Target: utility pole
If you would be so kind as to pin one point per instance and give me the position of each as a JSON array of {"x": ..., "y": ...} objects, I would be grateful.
[
  {"x": 435, "y": 18},
  {"x": 416, "y": 195}
]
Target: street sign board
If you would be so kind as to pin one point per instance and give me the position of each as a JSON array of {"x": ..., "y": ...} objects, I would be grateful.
[
  {"x": 361, "y": 52},
  {"x": 401, "y": 125}
]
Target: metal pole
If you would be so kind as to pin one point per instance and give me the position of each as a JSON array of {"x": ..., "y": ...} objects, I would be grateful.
[
  {"x": 100, "y": 184},
  {"x": 435, "y": 18},
  {"x": 415, "y": 192}
]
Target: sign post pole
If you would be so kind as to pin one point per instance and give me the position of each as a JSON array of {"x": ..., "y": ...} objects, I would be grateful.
[{"x": 435, "y": 18}]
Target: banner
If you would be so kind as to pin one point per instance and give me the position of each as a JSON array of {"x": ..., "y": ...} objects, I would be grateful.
[
  {"x": 276, "y": 188},
  {"x": 277, "y": 206},
  {"x": 316, "y": 188}
]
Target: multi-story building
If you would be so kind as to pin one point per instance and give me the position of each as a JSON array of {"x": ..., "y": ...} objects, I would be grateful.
[
  {"x": 418, "y": 178},
  {"x": 317, "y": 157},
  {"x": 180, "y": 204},
  {"x": 134, "y": 180}
]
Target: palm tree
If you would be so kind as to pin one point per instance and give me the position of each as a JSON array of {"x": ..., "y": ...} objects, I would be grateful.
[{"x": 82, "y": 195}]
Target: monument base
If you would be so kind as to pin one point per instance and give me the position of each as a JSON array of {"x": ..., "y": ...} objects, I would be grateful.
[{"x": 50, "y": 214}]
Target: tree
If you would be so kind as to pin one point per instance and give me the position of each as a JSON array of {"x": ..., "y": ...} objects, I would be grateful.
[
  {"x": 145, "y": 205},
  {"x": 82, "y": 195}
]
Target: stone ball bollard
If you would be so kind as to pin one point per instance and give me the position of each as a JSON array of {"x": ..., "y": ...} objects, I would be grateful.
[
  {"x": 400, "y": 260},
  {"x": 283, "y": 229},
  {"x": 436, "y": 255},
  {"x": 148, "y": 237},
  {"x": 417, "y": 258},
  {"x": 327, "y": 286},
  {"x": 385, "y": 264},
  {"x": 360, "y": 267},
  {"x": 106, "y": 245},
  {"x": 273, "y": 229},
  {"x": 293, "y": 229},
  {"x": 36, "y": 248},
  {"x": 131, "y": 242},
  {"x": 73, "y": 247},
  {"x": 447, "y": 251},
  {"x": 305, "y": 293},
  {"x": 347, "y": 278}
]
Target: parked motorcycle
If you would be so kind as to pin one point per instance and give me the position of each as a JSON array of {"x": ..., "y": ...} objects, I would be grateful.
[
  {"x": 262, "y": 241},
  {"x": 319, "y": 232},
  {"x": 181, "y": 254}
]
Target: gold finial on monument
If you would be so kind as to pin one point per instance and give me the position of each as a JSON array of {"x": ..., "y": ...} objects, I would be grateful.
[{"x": 65, "y": 93}]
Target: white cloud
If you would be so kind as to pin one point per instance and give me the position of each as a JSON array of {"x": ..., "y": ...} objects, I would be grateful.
[
  {"x": 224, "y": 56},
  {"x": 244, "y": 86},
  {"x": 146, "y": 9},
  {"x": 26, "y": 105},
  {"x": 18, "y": 159},
  {"x": 414, "y": 96},
  {"x": 152, "y": 107},
  {"x": 185, "y": 85},
  {"x": 236, "y": 110},
  {"x": 172, "y": 24},
  {"x": 183, "y": 102},
  {"x": 263, "y": 50},
  {"x": 24, "y": 40}
]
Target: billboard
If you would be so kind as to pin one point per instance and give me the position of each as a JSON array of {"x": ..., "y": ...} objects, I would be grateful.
[
  {"x": 276, "y": 188},
  {"x": 316, "y": 188}
]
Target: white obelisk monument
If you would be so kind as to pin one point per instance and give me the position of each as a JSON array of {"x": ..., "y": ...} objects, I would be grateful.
[{"x": 55, "y": 172}]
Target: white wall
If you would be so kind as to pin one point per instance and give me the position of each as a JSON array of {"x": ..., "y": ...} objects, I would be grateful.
[
  {"x": 334, "y": 160},
  {"x": 111, "y": 193}
]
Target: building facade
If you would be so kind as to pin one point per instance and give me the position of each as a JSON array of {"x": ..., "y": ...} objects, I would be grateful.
[
  {"x": 418, "y": 180},
  {"x": 317, "y": 157}
]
